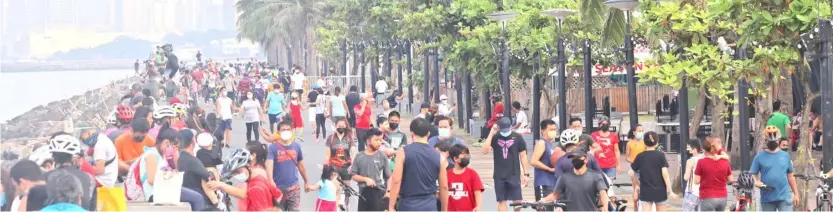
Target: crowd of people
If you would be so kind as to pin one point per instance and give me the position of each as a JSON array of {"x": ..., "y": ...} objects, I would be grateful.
[{"x": 153, "y": 135}]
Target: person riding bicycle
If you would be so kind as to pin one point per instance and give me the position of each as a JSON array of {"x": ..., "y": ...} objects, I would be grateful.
[
  {"x": 583, "y": 186},
  {"x": 776, "y": 171},
  {"x": 246, "y": 166}
]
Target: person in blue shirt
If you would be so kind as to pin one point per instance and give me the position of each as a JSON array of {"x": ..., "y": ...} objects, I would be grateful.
[
  {"x": 773, "y": 167},
  {"x": 276, "y": 103},
  {"x": 544, "y": 180}
]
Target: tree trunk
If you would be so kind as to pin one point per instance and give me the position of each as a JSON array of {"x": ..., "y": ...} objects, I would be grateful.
[
  {"x": 718, "y": 119},
  {"x": 699, "y": 111},
  {"x": 763, "y": 110},
  {"x": 804, "y": 162},
  {"x": 734, "y": 154}
]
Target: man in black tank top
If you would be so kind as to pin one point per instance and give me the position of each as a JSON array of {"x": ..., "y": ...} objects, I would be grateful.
[{"x": 418, "y": 174}]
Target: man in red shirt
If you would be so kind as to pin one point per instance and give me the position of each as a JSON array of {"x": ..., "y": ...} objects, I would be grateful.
[
  {"x": 497, "y": 113},
  {"x": 465, "y": 191},
  {"x": 608, "y": 158},
  {"x": 363, "y": 112}
]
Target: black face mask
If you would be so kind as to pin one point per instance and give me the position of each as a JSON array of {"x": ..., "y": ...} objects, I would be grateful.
[
  {"x": 604, "y": 127},
  {"x": 785, "y": 149},
  {"x": 464, "y": 162},
  {"x": 688, "y": 155},
  {"x": 772, "y": 145},
  {"x": 393, "y": 126},
  {"x": 138, "y": 138},
  {"x": 578, "y": 163},
  {"x": 341, "y": 129}
]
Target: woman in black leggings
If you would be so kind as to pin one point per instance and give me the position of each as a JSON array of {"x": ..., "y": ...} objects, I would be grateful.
[{"x": 315, "y": 99}]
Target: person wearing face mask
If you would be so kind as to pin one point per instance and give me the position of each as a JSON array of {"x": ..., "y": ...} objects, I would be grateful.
[
  {"x": 773, "y": 168},
  {"x": 654, "y": 182},
  {"x": 363, "y": 113},
  {"x": 130, "y": 146},
  {"x": 252, "y": 114},
  {"x": 393, "y": 136},
  {"x": 465, "y": 188},
  {"x": 104, "y": 155},
  {"x": 139, "y": 188},
  {"x": 206, "y": 155},
  {"x": 609, "y": 144},
  {"x": 445, "y": 108},
  {"x": 26, "y": 174},
  {"x": 445, "y": 129},
  {"x": 569, "y": 141},
  {"x": 581, "y": 186},
  {"x": 695, "y": 153},
  {"x": 418, "y": 175},
  {"x": 284, "y": 162},
  {"x": 511, "y": 164},
  {"x": 66, "y": 150},
  {"x": 635, "y": 144},
  {"x": 224, "y": 106},
  {"x": 371, "y": 170},
  {"x": 338, "y": 151},
  {"x": 250, "y": 183},
  {"x": 542, "y": 153},
  {"x": 711, "y": 174},
  {"x": 784, "y": 145}
]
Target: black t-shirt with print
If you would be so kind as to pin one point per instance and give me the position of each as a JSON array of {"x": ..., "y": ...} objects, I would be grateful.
[
  {"x": 506, "y": 152},
  {"x": 649, "y": 165}
]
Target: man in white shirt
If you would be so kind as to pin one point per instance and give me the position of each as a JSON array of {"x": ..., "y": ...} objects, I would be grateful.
[
  {"x": 444, "y": 108},
  {"x": 224, "y": 106},
  {"x": 381, "y": 88},
  {"x": 104, "y": 154},
  {"x": 298, "y": 80},
  {"x": 521, "y": 122}
]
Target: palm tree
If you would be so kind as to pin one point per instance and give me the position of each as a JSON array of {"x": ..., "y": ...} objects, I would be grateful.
[
  {"x": 275, "y": 22},
  {"x": 594, "y": 11}
]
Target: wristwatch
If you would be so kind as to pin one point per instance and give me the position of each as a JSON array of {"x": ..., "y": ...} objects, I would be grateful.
[{"x": 526, "y": 175}]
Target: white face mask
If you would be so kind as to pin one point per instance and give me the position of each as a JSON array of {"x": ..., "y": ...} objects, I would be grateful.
[
  {"x": 239, "y": 178},
  {"x": 444, "y": 132},
  {"x": 286, "y": 135}
]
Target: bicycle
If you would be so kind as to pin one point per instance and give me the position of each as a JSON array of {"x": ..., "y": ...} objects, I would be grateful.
[
  {"x": 560, "y": 205},
  {"x": 823, "y": 192},
  {"x": 743, "y": 197},
  {"x": 347, "y": 192},
  {"x": 619, "y": 204}
]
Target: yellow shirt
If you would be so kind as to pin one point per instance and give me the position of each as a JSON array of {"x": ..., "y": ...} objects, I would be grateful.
[{"x": 634, "y": 148}]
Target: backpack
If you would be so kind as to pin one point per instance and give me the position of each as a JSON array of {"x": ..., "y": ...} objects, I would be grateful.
[
  {"x": 245, "y": 84},
  {"x": 133, "y": 187}
]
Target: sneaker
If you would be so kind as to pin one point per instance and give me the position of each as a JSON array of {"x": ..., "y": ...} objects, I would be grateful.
[
  {"x": 226, "y": 145},
  {"x": 478, "y": 143}
]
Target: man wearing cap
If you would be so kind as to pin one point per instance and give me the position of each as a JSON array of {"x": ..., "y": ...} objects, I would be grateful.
[
  {"x": 423, "y": 110},
  {"x": 582, "y": 186},
  {"x": 444, "y": 108},
  {"x": 511, "y": 164}
]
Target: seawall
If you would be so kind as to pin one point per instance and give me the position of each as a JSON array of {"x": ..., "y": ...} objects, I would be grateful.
[{"x": 92, "y": 108}]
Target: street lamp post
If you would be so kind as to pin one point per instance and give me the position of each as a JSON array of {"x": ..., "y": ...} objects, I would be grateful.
[
  {"x": 409, "y": 67},
  {"x": 507, "y": 94},
  {"x": 559, "y": 15},
  {"x": 627, "y": 6}
]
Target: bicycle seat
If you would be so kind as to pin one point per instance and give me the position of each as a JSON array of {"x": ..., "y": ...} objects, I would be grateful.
[{"x": 620, "y": 201}]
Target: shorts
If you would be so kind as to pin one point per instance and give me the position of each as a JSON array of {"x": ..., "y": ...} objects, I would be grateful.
[
  {"x": 610, "y": 172},
  {"x": 344, "y": 172},
  {"x": 541, "y": 192},
  {"x": 418, "y": 203},
  {"x": 274, "y": 118},
  {"x": 664, "y": 202},
  {"x": 226, "y": 124},
  {"x": 291, "y": 200},
  {"x": 324, "y": 205},
  {"x": 508, "y": 189},
  {"x": 372, "y": 199}
]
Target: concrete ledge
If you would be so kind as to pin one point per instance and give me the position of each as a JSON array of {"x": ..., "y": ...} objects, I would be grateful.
[{"x": 149, "y": 206}]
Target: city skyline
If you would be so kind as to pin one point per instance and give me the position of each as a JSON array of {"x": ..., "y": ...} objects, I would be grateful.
[{"x": 31, "y": 24}]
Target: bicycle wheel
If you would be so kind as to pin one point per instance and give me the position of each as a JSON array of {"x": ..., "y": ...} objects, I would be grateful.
[{"x": 823, "y": 206}]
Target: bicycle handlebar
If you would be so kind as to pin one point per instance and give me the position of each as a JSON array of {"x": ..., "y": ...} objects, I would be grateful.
[
  {"x": 621, "y": 184},
  {"x": 525, "y": 204},
  {"x": 808, "y": 178}
]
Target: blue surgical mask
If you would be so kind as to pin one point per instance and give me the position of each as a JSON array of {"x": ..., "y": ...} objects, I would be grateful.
[
  {"x": 506, "y": 134},
  {"x": 640, "y": 135},
  {"x": 3, "y": 199},
  {"x": 444, "y": 132}
]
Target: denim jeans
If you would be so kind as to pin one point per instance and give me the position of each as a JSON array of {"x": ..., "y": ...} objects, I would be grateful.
[
  {"x": 610, "y": 172},
  {"x": 781, "y": 205},
  {"x": 193, "y": 198}
]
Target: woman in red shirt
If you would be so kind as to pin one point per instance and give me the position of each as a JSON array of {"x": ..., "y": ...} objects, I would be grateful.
[
  {"x": 712, "y": 173},
  {"x": 363, "y": 112}
]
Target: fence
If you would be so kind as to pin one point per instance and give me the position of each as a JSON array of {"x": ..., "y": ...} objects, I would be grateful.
[
  {"x": 329, "y": 82},
  {"x": 646, "y": 98}
]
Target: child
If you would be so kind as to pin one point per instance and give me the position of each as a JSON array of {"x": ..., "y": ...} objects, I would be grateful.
[
  {"x": 465, "y": 189},
  {"x": 295, "y": 107},
  {"x": 327, "y": 188}
]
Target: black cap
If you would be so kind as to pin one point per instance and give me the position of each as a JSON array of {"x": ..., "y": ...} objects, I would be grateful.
[
  {"x": 576, "y": 152},
  {"x": 425, "y": 106}
]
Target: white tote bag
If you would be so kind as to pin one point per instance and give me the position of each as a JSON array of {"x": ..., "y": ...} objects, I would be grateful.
[{"x": 167, "y": 188}]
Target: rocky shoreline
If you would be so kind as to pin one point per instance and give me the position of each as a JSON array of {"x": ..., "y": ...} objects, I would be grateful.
[{"x": 91, "y": 108}]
